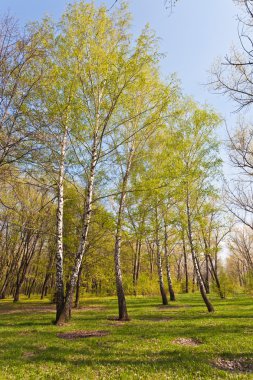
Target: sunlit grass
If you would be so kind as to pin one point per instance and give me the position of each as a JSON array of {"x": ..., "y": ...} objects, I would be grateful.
[{"x": 140, "y": 349}]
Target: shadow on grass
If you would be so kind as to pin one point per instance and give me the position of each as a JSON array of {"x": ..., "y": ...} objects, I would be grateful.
[{"x": 28, "y": 339}]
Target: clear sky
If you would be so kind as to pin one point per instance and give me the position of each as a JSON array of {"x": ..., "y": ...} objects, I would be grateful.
[{"x": 192, "y": 37}]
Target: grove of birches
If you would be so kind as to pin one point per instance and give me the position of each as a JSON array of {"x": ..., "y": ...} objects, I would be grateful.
[{"x": 111, "y": 177}]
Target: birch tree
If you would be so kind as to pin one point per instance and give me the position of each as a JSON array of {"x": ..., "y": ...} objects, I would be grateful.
[
  {"x": 199, "y": 163},
  {"x": 149, "y": 100},
  {"x": 108, "y": 66}
]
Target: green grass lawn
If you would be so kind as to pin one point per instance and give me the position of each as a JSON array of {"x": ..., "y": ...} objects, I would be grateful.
[{"x": 140, "y": 349}]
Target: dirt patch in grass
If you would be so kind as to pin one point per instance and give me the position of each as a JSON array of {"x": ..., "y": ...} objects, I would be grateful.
[
  {"x": 45, "y": 309},
  {"x": 82, "y": 334},
  {"x": 28, "y": 355},
  {"x": 191, "y": 342},
  {"x": 234, "y": 365},
  {"x": 167, "y": 307},
  {"x": 35, "y": 309}
]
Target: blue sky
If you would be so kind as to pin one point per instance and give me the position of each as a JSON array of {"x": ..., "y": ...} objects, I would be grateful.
[{"x": 192, "y": 37}]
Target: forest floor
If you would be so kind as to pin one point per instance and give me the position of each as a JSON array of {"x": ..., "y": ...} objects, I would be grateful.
[{"x": 181, "y": 341}]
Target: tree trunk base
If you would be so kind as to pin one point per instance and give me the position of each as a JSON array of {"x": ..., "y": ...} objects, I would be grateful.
[
  {"x": 61, "y": 319},
  {"x": 172, "y": 297},
  {"x": 123, "y": 319}
]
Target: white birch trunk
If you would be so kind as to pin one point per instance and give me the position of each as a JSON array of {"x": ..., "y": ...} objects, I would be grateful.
[
  {"x": 66, "y": 312},
  {"x": 59, "y": 233}
]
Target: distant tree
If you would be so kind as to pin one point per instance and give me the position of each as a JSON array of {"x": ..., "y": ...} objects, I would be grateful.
[
  {"x": 239, "y": 192},
  {"x": 199, "y": 163},
  {"x": 233, "y": 76},
  {"x": 145, "y": 107},
  {"x": 241, "y": 255},
  {"x": 21, "y": 62}
]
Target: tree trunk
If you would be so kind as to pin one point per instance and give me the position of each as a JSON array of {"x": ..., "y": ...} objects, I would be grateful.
[
  {"x": 44, "y": 286},
  {"x": 216, "y": 277},
  {"x": 207, "y": 275},
  {"x": 151, "y": 254},
  {"x": 136, "y": 268},
  {"x": 48, "y": 275},
  {"x": 198, "y": 264},
  {"x": 78, "y": 284},
  {"x": 160, "y": 275},
  {"x": 30, "y": 289},
  {"x": 123, "y": 315},
  {"x": 207, "y": 285},
  {"x": 4, "y": 287},
  {"x": 59, "y": 294},
  {"x": 159, "y": 264},
  {"x": 65, "y": 314},
  {"x": 170, "y": 286},
  {"x": 28, "y": 254},
  {"x": 193, "y": 280},
  {"x": 17, "y": 292},
  {"x": 194, "y": 259},
  {"x": 12, "y": 269},
  {"x": 185, "y": 266}
]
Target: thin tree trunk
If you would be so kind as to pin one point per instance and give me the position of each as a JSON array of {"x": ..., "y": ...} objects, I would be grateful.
[
  {"x": 151, "y": 255},
  {"x": 179, "y": 276},
  {"x": 25, "y": 261},
  {"x": 207, "y": 285},
  {"x": 185, "y": 266},
  {"x": 5, "y": 284},
  {"x": 44, "y": 286},
  {"x": 193, "y": 280},
  {"x": 30, "y": 289},
  {"x": 32, "y": 283},
  {"x": 123, "y": 315},
  {"x": 170, "y": 286},
  {"x": 159, "y": 264},
  {"x": 216, "y": 277},
  {"x": 207, "y": 275},
  {"x": 194, "y": 259},
  {"x": 78, "y": 284},
  {"x": 48, "y": 274},
  {"x": 12, "y": 268},
  {"x": 136, "y": 268},
  {"x": 17, "y": 292},
  {"x": 199, "y": 267}
]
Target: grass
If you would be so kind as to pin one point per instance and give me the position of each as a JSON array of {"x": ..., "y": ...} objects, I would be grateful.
[{"x": 140, "y": 349}]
